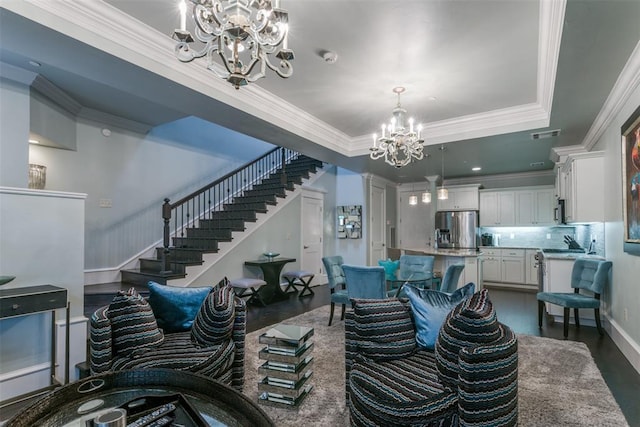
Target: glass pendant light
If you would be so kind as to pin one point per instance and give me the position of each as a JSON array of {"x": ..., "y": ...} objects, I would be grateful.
[
  {"x": 443, "y": 193},
  {"x": 413, "y": 199},
  {"x": 426, "y": 197}
]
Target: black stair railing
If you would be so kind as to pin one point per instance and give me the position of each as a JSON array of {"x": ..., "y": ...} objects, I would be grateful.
[{"x": 203, "y": 203}]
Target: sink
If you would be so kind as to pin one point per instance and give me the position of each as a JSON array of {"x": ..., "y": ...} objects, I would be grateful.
[{"x": 563, "y": 251}]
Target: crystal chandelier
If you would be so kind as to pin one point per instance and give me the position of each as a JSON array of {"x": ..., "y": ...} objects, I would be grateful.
[
  {"x": 398, "y": 144},
  {"x": 244, "y": 36}
]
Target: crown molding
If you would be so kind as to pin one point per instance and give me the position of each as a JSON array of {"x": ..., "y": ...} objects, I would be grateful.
[
  {"x": 57, "y": 95},
  {"x": 115, "y": 121},
  {"x": 627, "y": 82},
  {"x": 560, "y": 154},
  {"x": 549, "y": 37},
  {"x": 16, "y": 74}
]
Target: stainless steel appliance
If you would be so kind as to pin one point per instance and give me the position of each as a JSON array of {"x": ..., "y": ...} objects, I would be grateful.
[
  {"x": 560, "y": 212},
  {"x": 456, "y": 229}
]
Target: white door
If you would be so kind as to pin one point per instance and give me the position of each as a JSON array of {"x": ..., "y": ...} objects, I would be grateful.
[
  {"x": 377, "y": 219},
  {"x": 312, "y": 211}
]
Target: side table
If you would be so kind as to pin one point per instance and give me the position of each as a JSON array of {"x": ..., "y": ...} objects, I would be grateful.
[{"x": 287, "y": 370}]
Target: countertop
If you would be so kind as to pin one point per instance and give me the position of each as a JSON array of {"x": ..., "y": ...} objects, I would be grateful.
[{"x": 446, "y": 252}]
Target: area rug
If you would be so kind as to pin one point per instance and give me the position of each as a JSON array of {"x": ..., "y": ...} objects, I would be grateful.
[{"x": 558, "y": 384}]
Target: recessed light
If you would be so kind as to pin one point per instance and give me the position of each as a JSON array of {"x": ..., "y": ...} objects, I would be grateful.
[
  {"x": 34, "y": 141},
  {"x": 106, "y": 132},
  {"x": 476, "y": 168},
  {"x": 34, "y": 63}
]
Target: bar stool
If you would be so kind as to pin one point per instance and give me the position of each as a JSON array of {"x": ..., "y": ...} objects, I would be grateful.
[
  {"x": 297, "y": 278},
  {"x": 246, "y": 284}
]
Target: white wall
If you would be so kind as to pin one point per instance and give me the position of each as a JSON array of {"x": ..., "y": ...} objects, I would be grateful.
[
  {"x": 624, "y": 290},
  {"x": 351, "y": 190},
  {"x": 14, "y": 133}
]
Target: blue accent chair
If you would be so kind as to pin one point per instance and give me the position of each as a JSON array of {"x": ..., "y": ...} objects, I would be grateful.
[
  {"x": 417, "y": 267},
  {"x": 450, "y": 279},
  {"x": 337, "y": 283},
  {"x": 365, "y": 282},
  {"x": 587, "y": 274}
]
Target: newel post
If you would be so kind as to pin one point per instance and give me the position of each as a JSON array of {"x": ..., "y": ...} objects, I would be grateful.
[
  {"x": 166, "y": 218},
  {"x": 283, "y": 177}
]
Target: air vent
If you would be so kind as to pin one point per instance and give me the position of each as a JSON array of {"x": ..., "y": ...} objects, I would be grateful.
[
  {"x": 536, "y": 164},
  {"x": 547, "y": 134}
]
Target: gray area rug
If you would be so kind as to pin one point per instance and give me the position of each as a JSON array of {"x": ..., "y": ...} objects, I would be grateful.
[{"x": 558, "y": 385}]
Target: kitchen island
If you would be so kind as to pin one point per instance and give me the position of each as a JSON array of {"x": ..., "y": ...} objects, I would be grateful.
[{"x": 445, "y": 257}]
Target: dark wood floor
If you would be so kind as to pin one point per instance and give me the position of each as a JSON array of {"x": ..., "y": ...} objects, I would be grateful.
[{"x": 516, "y": 309}]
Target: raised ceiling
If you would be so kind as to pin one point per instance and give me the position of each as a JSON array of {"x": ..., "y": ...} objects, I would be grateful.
[{"x": 480, "y": 75}]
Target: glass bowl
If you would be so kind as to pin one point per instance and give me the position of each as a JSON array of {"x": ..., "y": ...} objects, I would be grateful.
[{"x": 271, "y": 254}]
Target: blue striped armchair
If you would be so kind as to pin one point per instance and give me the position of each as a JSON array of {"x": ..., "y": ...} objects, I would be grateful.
[{"x": 470, "y": 379}]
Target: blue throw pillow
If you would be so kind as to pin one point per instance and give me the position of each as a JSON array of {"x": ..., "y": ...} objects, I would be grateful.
[
  {"x": 430, "y": 308},
  {"x": 176, "y": 308},
  {"x": 390, "y": 268}
]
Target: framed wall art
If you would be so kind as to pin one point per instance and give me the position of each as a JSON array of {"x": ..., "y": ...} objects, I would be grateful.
[
  {"x": 631, "y": 182},
  {"x": 350, "y": 222}
]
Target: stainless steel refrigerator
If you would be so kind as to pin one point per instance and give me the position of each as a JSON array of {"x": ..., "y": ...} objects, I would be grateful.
[{"x": 456, "y": 229}]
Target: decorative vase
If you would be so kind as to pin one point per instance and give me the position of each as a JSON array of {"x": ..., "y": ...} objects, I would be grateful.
[{"x": 37, "y": 176}]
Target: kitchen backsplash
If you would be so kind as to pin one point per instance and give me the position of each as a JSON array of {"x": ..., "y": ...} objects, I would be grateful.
[{"x": 548, "y": 237}]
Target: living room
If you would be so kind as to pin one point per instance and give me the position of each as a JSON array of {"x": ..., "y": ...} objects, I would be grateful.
[{"x": 126, "y": 173}]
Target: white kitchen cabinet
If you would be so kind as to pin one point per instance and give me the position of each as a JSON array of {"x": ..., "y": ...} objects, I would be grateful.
[
  {"x": 531, "y": 267},
  {"x": 582, "y": 178},
  {"x": 461, "y": 198},
  {"x": 512, "y": 266},
  {"x": 497, "y": 208},
  {"x": 535, "y": 206},
  {"x": 491, "y": 265},
  {"x": 505, "y": 267}
]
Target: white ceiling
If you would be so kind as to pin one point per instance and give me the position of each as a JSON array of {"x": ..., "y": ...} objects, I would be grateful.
[{"x": 498, "y": 70}]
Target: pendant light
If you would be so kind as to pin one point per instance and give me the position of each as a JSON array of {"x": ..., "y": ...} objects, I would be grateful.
[
  {"x": 426, "y": 197},
  {"x": 413, "y": 199},
  {"x": 443, "y": 193}
]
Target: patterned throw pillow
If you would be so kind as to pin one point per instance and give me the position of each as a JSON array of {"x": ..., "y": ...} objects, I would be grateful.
[
  {"x": 385, "y": 329},
  {"x": 133, "y": 324},
  {"x": 175, "y": 308},
  {"x": 214, "y": 321},
  {"x": 472, "y": 322},
  {"x": 430, "y": 309}
]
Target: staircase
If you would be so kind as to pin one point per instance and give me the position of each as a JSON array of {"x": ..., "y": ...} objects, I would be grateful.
[{"x": 196, "y": 224}]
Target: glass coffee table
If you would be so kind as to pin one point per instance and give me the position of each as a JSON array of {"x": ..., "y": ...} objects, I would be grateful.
[
  {"x": 287, "y": 367},
  {"x": 398, "y": 284}
]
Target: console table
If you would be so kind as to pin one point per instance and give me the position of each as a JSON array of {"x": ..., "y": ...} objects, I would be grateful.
[
  {"x": 271, "y": 269},
  {"x": 32, "y": 300}
]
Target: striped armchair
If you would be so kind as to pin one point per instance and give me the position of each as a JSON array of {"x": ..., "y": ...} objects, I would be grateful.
[
  {"x": 214, "y": 348},
  {"x": 470, "y": 379}
]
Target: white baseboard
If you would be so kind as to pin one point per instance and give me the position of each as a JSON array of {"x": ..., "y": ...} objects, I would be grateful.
[
  {"x": 625, "y": 343},
  {"x": 23, "y": 381}
]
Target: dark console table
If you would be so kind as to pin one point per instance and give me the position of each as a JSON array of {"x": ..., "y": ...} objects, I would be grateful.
[
  {"x": 34, "y": 300},
  {"x": 271, "y": 269}
]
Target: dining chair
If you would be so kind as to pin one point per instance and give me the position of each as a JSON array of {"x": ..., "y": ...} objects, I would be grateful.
[
  {"x": 586, "y": 274},
  {"x": 450, "y": 279},
  {"x": 364, "y": 282},
  {"x": 417, "y": 267},
  {"x": 337, "y": 283},
  {"x": 394, "y": 253}
]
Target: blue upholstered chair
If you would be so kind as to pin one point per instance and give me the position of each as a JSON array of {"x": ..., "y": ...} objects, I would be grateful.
[
  {"x": 417, "y": 267},
  {"x": 587, "y": 274},
  {"x": 450, "y": 279},
  {"x": 337, "y": 283},
  {"x": 365, "y": 282}
]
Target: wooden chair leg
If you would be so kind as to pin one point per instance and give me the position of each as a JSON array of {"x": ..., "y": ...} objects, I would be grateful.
[
  {"x": 540, "y": 313},
  {"x": 344, "y": 308},
  {"x": 331, "y": 313},
  {"x": 566, "y": 323},
  {"x": 598, "y": 323},
  {"x": 575, "y": 315}
]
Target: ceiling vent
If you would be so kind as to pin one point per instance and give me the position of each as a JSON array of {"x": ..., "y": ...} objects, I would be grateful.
[
  {"x": 536, "y": 164},
  {"x": 547, "y": 134}
]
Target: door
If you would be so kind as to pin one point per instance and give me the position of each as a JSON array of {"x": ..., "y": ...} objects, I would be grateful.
[
  {"x": 377, "y": 220},
  {"x": 413, "y": 223},
  {"x": 312, "y": 213}
]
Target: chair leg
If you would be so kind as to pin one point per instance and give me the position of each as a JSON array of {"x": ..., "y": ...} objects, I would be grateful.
[
  {"x": 344, "y": 308},
  {"x": 331, "y": 313},
  {"x": 566, "y": 323},
  {"x": 255, "y": 296},
  {"x": 540, "y": 313},
  {"x": 290, "y": 284},
  {"x": 306, "y": 287},
  {"x": 575, "y": 315},
  {"x": 598, "y": 323}
]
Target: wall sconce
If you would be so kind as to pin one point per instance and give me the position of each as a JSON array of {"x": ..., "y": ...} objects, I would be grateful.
[{"x": 37, "y": 176}]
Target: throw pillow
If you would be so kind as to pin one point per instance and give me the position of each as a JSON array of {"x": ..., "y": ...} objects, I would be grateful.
[
  {"x": 133, "y": 324},
  {"x": 390, "y": 268},
  {"x": 176, "y": 308},
  {"x": 430, "y": 309},
  {"x": 214, "y": 321},
  {"x": 384, "y": 328},
  {"x": 471, "y": 323}
]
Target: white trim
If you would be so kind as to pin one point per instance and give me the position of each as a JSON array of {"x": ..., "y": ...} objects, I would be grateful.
[
  {"x": 57, "y": 95},
  {"x": 624, "y": 342},
  {"x": 16, "y": 74},
  {"x": 42, "y": 193},
  {"x": 549, "y": 38}
]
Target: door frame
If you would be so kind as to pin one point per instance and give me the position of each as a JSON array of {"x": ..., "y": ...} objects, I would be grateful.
[{"x": 310, "y": 193}]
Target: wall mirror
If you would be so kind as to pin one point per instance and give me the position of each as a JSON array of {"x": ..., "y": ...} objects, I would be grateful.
[{"x": 350, "y": 222}]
